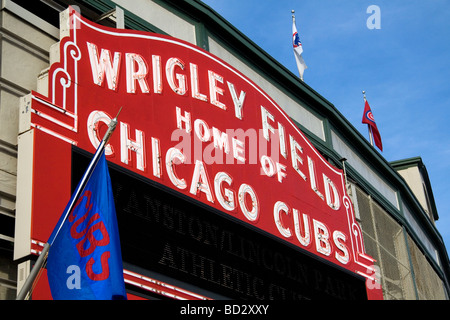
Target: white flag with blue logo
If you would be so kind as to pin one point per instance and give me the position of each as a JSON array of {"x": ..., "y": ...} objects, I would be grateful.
[{"x": 298, "y": 50}]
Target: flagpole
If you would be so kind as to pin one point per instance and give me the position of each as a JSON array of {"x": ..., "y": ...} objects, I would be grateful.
[
  {"x": 44, "y": 253},
  {"x": 370, "y": 135},
  {"x": 368, "y": 127}
]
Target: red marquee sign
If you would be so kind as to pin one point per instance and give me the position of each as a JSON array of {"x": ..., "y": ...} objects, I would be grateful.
[{"x": 193, "y": 123}]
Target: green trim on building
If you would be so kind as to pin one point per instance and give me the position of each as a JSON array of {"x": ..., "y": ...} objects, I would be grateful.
[{"x": 417, "y": 162}]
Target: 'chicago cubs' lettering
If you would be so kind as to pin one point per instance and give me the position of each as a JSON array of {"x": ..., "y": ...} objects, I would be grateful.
[{"x": 88, "y": 226}]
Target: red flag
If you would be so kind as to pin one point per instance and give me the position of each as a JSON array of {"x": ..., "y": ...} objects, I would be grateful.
[{"x": 370, "y": 120}]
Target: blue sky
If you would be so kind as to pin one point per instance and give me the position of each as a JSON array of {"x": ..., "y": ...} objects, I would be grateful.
[{"x": 404, "y": 67}]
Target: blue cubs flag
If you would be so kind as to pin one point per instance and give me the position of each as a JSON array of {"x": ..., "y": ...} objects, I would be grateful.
[
  {"x": 85, "y": 260},
  {"x": 369, "y": 119}
]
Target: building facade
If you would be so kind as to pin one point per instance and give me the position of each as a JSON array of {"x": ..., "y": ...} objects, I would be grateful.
[{"x": 392, "y": 202}]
